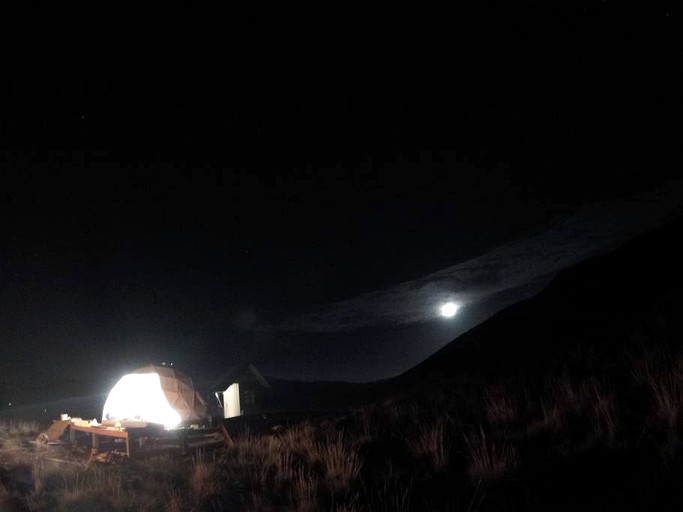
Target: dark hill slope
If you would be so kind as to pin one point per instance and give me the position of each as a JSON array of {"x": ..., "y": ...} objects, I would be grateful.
[{"x": 584, "y": 320}]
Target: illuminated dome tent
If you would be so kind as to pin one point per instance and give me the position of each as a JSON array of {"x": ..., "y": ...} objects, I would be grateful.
[{"x": 155, "y": 394}]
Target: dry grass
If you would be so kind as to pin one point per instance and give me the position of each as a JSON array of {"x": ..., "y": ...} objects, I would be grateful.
[
  {"x": 396, "y": 456},
  {"x": 294, "y": 463},
  {"x": 400, "y": 416},
  {"x": 174, "y": 502},
  {"x": 500, "y": 405},
  {"x": 666, "y": 386},
  {"x": 564, "y": 400},
  {"x": 569, "y": 394},
  {"x": 604, "y": 415},
  {"x": 304, "y": 491},
  {"x": 369, "y": 423},
  {"x": 551, "y": 419},
  {"x": 341, "y": 462},
  {"x": 95, "y": 489},
  {"x": 302, "y": 441},
  {"x": 662, "y": 374},
  {"x": 13, "y": 434},
  {"x": 12, "y": 503},
  {"x": 433, "y": 443},
  {"x": 347, "y": 508},
  {"x": 389, "y": 495},
  {"x": 202, "y": 478},
  {"x": 39, "y": 477},
  {"x": 19, "y": 428},
  {"x": 488, "y": 460}
]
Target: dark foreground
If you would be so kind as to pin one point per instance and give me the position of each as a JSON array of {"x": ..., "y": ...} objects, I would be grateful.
[{"x": 568, "y": 442}]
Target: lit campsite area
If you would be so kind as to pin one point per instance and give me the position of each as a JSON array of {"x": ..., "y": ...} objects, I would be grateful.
[{"x": 584, "y": 413}]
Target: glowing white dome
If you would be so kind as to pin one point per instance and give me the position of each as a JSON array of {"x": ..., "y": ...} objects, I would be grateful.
[{"x": 155, "y": 395}]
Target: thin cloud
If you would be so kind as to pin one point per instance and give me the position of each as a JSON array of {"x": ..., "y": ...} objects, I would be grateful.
[{"x": 590, "y": 231}]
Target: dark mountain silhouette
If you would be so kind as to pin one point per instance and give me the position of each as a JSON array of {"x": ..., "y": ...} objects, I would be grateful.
[
  {"x": 582, "y": 321},
  {"x": 586, "y": 321}
]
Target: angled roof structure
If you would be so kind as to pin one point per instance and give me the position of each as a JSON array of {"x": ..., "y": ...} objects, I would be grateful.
[{"x": 240, "y": 372}]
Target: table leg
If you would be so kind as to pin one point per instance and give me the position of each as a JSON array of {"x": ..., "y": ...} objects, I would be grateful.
[{"x": 95, "y": 444}]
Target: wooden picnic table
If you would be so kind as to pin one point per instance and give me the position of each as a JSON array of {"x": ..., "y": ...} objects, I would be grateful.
[
  {"x": 134, "y": 433},
  {"x": 131, "y": 435}
]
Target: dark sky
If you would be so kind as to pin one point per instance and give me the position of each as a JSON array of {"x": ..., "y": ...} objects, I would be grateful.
[{"x": 289, "y": 195}]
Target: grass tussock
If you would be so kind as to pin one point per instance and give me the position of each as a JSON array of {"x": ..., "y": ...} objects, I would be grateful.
[
  {"x": 304, "y": 491},
  {"x": 432, "y": 442},
  {"x": 666, "y": 386},
  {"x": 390, "y": 495},
  {"x": 604, "y": 415},
  {"x": 661, "y": 373},
  {"x": 341, "y": 462},
  {"x": 202, "y": 481},
  {"x": 21, "y": 428},
  {"x": 537, "y": 444},
  {"x": 488, "y": 459},
  {"x": 500, "y": 405},
  {"x": 14, "y": 434}
]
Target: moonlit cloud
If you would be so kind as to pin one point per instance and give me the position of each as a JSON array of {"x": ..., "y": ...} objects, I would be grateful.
[{"x": 477, "y": 282}]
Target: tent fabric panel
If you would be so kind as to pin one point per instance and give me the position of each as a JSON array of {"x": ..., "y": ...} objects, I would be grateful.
[{"x": 179, "y": 392}]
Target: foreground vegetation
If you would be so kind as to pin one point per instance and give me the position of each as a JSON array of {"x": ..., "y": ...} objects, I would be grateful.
[{"x": 591, "y": 441}]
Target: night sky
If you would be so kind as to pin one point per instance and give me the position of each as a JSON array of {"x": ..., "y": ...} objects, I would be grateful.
[{"x": 305, "y": 198}]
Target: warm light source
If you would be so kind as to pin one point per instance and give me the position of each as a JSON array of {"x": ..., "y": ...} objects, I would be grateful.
[
  {"x": 449, "y": 309},
  {"x": 138, "y": 396}
]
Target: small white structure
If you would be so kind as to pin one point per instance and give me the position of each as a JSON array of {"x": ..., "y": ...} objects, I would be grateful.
[
  {"x": 231, "y": 401},
  {"x": 247, "y": 391}
]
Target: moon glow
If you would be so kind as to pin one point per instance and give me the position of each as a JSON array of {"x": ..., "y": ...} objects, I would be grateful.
[{"x": 449, "y": 309}]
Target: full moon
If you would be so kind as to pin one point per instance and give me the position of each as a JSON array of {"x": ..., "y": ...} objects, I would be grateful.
[{"x": 449, "y": 309}]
